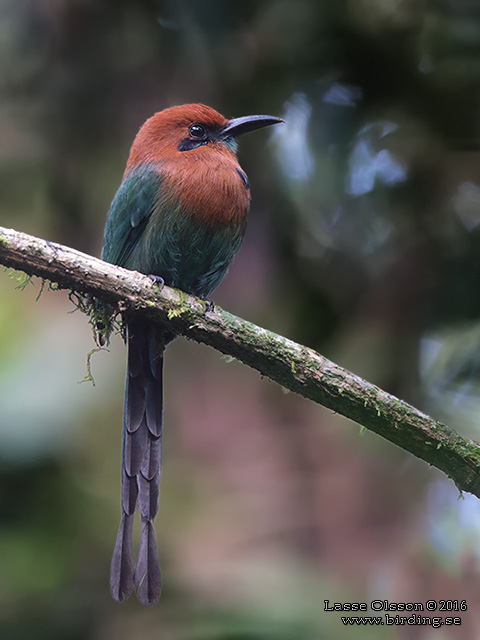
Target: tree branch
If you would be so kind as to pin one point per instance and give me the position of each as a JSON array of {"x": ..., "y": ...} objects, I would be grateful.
[{"x": 295, "y": 367}]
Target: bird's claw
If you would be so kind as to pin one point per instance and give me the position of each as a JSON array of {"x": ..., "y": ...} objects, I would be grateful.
[
  {"x": 210, "y": 305},
  {"x": 157, "y": 280}
]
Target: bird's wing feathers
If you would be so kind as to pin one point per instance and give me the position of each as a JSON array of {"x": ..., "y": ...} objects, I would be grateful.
[{"x": 129, "y": 214}]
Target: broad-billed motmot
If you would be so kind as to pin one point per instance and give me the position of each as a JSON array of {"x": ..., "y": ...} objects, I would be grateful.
[{"x": 180, "y": 216}]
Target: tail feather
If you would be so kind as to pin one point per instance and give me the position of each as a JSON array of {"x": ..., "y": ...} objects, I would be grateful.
[
  {"x": 141, "y": 465},
  {"x": 153, "y": 457},
  {"x": 148, "y": 581},
  {"x": 129, "y": 494},
  {"x": 136, "y": 385},
  {"x": 135, "y": 401},
  {"x": 121, "y": 569},
  {"x": 134, "y": 448},
  {"x": 149, "y": 497},
  {"x": 153, "y": 388}
]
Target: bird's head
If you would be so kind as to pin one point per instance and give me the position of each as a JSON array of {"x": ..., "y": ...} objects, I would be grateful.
[{"x": 188, "y": 128}]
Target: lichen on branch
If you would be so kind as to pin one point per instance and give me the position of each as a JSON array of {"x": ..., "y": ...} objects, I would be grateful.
[{"x": 292, "y": 365}]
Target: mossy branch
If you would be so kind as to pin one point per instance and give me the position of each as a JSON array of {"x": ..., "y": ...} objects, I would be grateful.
[{"x": 294, "y": 366}]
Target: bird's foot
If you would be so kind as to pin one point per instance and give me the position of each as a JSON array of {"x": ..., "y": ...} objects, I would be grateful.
[
  {"x": 210, "y": 305},
  {"x": 157, "y": 280}
]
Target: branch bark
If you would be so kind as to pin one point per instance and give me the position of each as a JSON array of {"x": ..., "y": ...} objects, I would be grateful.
[{"x": 292, "y": 365}]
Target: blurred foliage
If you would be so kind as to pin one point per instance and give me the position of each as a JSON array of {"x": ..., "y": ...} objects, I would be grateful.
[{"x": 363, "y": 242}]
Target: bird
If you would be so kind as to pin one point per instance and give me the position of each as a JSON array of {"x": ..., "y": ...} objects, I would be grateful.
[{"x": 179, "y": 216}]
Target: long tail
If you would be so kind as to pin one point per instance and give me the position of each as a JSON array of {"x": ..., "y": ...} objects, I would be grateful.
[{"x": 141, "y": 465}]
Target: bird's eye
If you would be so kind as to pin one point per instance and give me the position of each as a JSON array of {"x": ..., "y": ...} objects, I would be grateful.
[{"x": 197, "y": 131}]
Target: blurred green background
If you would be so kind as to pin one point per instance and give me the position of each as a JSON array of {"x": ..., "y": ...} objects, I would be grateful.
[{"x": 363, "y": 243}]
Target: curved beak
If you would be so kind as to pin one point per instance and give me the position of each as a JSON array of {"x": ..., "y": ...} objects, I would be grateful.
[{"x": 239, "y": 126}]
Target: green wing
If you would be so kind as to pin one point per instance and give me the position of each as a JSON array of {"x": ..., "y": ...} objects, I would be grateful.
[{"x": 129, "y": 213}]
